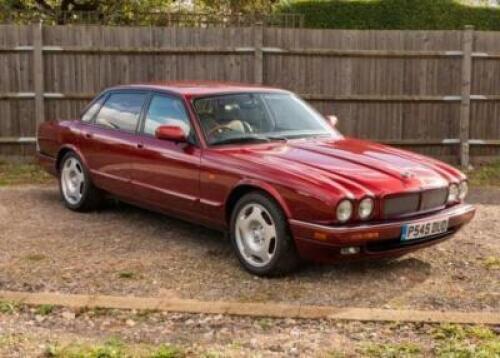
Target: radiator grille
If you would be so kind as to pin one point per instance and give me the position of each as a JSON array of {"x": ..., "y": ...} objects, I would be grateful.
[
  {"x": 406, "y": 204},
  {"x": 433, "y": 198},
  {"x": 401, "y": 204}
]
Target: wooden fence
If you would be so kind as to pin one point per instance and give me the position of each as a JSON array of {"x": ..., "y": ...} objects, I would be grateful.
[{"x": 436, "y": 92}]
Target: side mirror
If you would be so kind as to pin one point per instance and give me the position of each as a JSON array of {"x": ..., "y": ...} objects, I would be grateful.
[
  {"x": 172, "y": 133},
  {"x": 333, "y": 120}
]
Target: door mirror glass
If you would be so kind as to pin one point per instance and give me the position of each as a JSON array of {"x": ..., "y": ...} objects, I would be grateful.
[
  {"x": 333, "y": 120},
  {"x": 171, "y": 132}
]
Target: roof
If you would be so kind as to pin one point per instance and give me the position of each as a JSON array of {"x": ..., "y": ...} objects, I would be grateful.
[{"x": 201, "y": 88}]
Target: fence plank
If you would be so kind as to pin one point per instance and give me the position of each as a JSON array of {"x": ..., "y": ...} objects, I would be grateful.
[
  {"x": 38, "y": 75},
  {"x": 466, "y": 92},
  {"x": 258, "y": 56}
]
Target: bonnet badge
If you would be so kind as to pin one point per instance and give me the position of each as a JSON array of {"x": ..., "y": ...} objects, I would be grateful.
[{"x": 406, "y": 174}]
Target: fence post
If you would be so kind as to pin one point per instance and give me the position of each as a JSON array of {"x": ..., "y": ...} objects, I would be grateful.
[
  {"x": 258, "y": 35},
  {"x": 467, "y": 46},
  {"x": 38, "y": 76}
]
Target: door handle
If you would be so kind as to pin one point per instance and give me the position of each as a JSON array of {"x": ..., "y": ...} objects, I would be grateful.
[
  {"x": 88, "y": 135},
  {"x": 140, "y": 145}
]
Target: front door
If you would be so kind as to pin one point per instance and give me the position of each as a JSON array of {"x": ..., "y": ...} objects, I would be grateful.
[{"x": 165, "y": 173}]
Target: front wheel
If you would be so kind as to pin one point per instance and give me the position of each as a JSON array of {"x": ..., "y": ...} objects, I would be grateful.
[
  {"x": 260, "y": 236},
  {"x": 76, "y": 188}
]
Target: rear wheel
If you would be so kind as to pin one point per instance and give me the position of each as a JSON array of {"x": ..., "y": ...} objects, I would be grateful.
[
  {"x": 76, "y": 188},
  {"x": 260, "y": 236}
]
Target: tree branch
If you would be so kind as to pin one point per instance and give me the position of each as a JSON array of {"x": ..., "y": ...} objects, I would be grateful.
[{"x": 44, "y": 6}]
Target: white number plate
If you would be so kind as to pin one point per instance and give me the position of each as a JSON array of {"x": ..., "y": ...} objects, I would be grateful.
[{"x": 423, "y": 229}]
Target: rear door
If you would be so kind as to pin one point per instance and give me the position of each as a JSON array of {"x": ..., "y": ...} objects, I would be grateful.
[
  {"x": 166, "y": 173},
  {"x": 109, "y": 143}
]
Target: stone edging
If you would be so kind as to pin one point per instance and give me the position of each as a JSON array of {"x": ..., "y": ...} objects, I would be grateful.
[{"x": 274, "y": 310}]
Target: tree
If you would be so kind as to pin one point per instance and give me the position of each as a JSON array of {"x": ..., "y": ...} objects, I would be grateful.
[{"x": 62, "y": 11}]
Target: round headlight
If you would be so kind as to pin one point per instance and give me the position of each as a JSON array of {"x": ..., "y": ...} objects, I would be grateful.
[
  {"x": 365, "y": 208},
  {"x": 463, "y": 189},
  {"x": 453, "y": 193},
  {"x": 344, "y": 210}
]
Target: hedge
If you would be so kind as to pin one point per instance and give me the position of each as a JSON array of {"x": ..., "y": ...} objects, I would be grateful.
[{"x": 393, "y": 14}]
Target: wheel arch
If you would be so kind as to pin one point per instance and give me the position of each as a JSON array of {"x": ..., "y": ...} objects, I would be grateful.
[
  {"x": 246, "y": 187},
  {"x": 66, "y": 149}
]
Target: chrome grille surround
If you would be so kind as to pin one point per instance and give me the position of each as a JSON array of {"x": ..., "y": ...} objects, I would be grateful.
[{"x": 413, "y": 203}]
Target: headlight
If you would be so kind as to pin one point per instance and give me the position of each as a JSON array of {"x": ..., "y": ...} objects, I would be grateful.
[
  {"x": 463, "y": 189},
  {"x": 365, "y": 208},
  {"x": 344, "y": 210},
  {"x": 453, "y": 193}
]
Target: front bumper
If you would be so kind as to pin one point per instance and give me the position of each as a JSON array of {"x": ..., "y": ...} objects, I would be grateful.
[{"x": 323, "y": 243}]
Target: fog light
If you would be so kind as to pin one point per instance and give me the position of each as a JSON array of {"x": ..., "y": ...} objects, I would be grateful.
[{"x": 350, "y": 250}]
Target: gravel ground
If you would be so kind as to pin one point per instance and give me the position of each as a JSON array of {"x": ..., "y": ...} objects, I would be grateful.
[
  {"x": 125, "y": 250},
  {"x": 26, "y": 332}
]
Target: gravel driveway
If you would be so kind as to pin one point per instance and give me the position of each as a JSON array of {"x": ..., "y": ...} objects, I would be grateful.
[{"x": 125, "y": 250}]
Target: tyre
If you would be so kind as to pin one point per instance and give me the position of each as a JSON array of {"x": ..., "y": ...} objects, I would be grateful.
[
  {"x": 77, "y": 190},
  {"x": 260, "y": 236}
]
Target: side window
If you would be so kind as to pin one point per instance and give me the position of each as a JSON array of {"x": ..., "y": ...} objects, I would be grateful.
[
  {"x": 121, "y": 111},
  {"x": 164, "y": 110},
  {"x": 92, "y": 110}
]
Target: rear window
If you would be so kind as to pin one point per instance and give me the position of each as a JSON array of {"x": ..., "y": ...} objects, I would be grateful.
[{"x": 121, "y": 111}]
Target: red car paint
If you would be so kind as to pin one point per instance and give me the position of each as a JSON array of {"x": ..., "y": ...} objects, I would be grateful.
[{"x": 307, "y": 177}]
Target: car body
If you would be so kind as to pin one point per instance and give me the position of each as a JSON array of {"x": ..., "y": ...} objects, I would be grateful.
[{"x": 310, "y": 180}]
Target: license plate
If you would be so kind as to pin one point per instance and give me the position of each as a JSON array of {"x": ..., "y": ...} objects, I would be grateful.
[{"x": 424, "y": 229}]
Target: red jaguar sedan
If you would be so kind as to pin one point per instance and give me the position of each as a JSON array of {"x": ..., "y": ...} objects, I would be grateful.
[{"x": 258, "y": 163}]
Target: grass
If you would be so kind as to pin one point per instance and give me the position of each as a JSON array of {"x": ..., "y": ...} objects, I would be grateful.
[
  {"x": 486, "y": 175},
  {"x": 44, "y": 310},
  {"x": 450, "y": 341},
  {"x": 264, "y": 323},
  {"x": 167, "y": 351},
  {"x": 492, "y": 263},
  {"x": 464, "y": 342},
  {"x": 392, "y": 350},
  {"x": 113, "y": 348},
  {"x": 17, "y": 174},
  {"x": 110, "y": 349},
  {"x": 8, "y": 307}
]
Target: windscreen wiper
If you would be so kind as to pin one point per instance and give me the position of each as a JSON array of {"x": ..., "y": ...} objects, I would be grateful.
[
  {"x": 277, "y": 137},
  {"x": 245, "y": 139}
]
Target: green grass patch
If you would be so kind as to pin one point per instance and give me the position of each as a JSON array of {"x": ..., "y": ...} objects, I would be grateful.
[
  {"x": 17, "y": 174},
  {"x": 167, "y": 351},
  {"x": 391, "y": 350},
  {"x": 113, "y": 348},
  {"x": 8, "y": 307},
  {"x": 492, "y": 263},
  {"x": 464, "y": 342},
  {"x": 45, "y": 310},
  {"x": 264, "y": 323},
  {"x": 486, "y": 175},
  {"x": 110, "y": 349},
  {"x": 449, "y": 331}
]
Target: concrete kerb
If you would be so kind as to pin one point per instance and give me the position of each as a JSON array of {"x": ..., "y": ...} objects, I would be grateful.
[{"x": 272, "y": 310}]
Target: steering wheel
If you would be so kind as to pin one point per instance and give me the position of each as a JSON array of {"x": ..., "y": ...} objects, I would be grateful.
[{"x": 223, "y": 127}]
